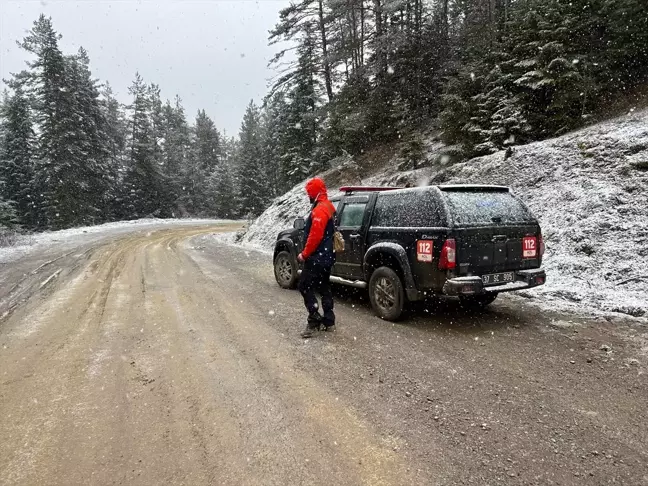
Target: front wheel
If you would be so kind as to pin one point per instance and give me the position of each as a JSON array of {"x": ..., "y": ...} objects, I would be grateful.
[
  {"x": 285, "y": 270},
  {"x": 478, "y": 301},
  {"x": 386, "y": 294}
]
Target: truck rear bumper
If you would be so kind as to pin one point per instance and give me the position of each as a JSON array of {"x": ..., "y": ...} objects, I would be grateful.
[{"x": 524, "y": 279}]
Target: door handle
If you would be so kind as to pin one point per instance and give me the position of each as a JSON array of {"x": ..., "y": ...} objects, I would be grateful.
[
  {"x": 355, "y": 237},
  {"x": 499, "y": 238}
]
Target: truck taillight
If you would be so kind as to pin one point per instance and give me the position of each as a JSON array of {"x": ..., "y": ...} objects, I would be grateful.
[
  {"x": 448, "y": 259},
  {"x": 541, "y": 245}
]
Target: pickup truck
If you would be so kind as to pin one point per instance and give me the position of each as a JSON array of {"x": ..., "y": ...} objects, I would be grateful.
[{"x": 405, "y": 245}]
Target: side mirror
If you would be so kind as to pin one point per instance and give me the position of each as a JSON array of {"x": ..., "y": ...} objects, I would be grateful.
[{"x": 299, "y": 224}]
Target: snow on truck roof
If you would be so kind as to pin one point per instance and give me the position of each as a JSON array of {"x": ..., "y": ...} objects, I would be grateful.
[
  {"x": 449, "y": 187},
  {"x": 474, "y": 187}
]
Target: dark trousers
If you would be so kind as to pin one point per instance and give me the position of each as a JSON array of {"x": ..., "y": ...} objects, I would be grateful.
[{"x": 315, "y": 280}]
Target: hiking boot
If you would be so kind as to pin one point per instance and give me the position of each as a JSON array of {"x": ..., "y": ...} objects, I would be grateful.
[
  {"x": 329, "y": 327},
  {"x": 308, "y": 332},
  {"x": 314, "y": 320}
]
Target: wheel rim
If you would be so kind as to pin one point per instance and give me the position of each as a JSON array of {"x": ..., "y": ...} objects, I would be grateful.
[
  {"x": 385, "y": 294},
  {"x": 284, "y": 269}
]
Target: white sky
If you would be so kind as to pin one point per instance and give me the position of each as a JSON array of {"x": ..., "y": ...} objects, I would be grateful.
[{"x": 213, "y": 53}]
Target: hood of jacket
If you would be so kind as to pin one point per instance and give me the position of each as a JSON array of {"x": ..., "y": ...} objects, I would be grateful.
[{"x": 316, "y": 189}]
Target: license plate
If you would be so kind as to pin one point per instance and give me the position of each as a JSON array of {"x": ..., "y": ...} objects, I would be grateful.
[{"x": 498, "y": 278}]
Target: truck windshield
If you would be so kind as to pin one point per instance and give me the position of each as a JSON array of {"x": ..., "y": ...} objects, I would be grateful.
[{"x": 484, "y": 207}]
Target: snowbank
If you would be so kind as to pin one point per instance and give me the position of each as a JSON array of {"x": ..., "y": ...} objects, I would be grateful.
[
  {"x": 590, "y": 190},
  {"x": 38, "y": 241}
]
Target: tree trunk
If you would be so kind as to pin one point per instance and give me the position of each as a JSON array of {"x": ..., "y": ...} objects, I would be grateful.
[
  {"x": 362, "y": 32},
  {"x": 380, "y": 48},
  {"x": 441, "y": 18},
  {"x": 325, "y": 60},
  {"x": 345, "y": 49},
  {"x": 354, "y": 34}
]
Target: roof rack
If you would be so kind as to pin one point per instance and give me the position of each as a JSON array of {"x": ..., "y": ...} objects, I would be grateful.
[{"x": 349, "y": 189}]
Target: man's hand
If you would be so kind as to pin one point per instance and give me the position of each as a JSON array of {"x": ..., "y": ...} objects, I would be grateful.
[{"x": 300, "y": 258}]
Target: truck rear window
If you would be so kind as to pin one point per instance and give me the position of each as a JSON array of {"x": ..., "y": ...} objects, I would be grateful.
[{"x": 484, "y": 207}]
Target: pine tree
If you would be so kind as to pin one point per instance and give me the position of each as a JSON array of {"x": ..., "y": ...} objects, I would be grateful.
[
  {"x": 207, "y": 145},
  {"x": 8, "y": 216},
  {"x": 203, "y": 164},
  {"x": 116, "y": 132},
  {"x": 551, "y": 79},
  {"x": 252, "y": 187},
  {"x": 90, "y": 135},
  {"x": 220, "y": 189},
  {"x": 174, "y": 141},
  {"x": 305, "y": 21},
  {"x": 223, "y": 181},
  {"x": 145, "y": 185},
  {"x": 55, "y": 180},
  {"x": 16, "y": 157},
  {"x": 625, "y": 25},
  {"x": 275, "y": 112},
  {"x": 71, "y": 169},
  {"x": 301, "y": 120}
]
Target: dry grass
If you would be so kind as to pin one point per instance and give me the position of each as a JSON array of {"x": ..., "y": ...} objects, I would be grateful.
[{"x": 11, "y": 237}]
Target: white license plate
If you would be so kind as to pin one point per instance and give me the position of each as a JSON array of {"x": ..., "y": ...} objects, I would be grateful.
[{"x": 498, "y": 278}]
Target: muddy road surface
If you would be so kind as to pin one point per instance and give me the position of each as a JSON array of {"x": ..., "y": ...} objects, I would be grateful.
[{"x": 165, "y": 357}]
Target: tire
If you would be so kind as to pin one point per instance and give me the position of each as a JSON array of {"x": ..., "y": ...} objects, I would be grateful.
[
  {"x": 476, "y": 302},
  {"x": 386, "y": 294},
  {"x": 285, "y": 270}
]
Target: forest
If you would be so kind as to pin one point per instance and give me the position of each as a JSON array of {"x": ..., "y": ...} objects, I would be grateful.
[{"x": 351, "y": 75}]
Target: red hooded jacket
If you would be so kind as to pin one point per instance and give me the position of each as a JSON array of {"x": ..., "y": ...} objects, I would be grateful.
[{"x": 321, "y": 214}]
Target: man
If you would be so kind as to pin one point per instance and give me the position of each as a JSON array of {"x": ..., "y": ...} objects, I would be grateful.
[{"x": 318, "y": 258}]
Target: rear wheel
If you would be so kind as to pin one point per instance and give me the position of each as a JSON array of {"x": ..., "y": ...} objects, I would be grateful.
[
  {"x": 285, "y": 270},
  {"x": 386, "y": 294},
  {"x": 478, "y": 301}
]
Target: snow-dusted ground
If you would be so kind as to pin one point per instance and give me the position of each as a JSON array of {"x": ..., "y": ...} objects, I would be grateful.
[
  {"x": 39, "y": 241},
  {"x": 588, "y": 188}
]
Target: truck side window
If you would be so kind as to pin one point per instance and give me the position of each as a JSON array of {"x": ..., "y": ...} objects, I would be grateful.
[
  {"x": 407, "y": 209},
  {"x": 352, "y": 215}
]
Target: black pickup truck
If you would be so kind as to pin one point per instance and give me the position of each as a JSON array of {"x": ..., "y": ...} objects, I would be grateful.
[{"x": 403, "y": 245}]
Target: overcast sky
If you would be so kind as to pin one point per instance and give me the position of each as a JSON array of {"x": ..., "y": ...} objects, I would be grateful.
[{"x": 213, "y": 53}]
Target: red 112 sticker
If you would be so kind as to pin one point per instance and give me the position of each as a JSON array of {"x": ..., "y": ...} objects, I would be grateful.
[
  {"x": 529, "y": 247},
  {"x": 424, "y": 250}
]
